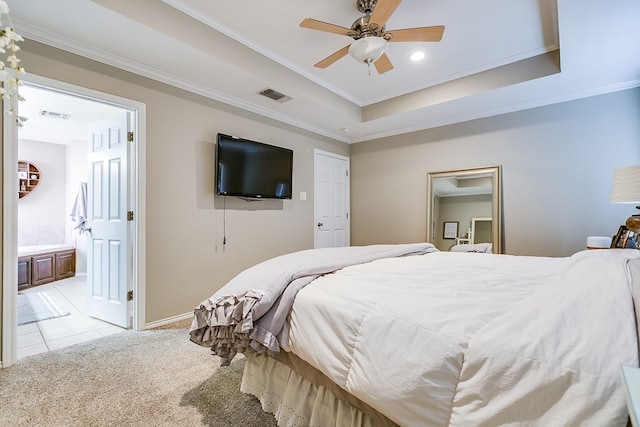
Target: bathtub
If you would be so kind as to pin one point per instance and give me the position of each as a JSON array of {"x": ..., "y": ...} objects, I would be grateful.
[
  {"x": 42, "y": 249},
  {"x": 42, "y": 264}
]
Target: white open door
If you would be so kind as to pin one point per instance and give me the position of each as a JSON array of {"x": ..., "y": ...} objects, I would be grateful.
[
  {"x": 108, "y": 240},
  {"x": 331, "y": 187}
]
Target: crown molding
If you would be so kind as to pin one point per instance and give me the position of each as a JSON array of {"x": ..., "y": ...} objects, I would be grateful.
[{"x": 91, "y": 52}]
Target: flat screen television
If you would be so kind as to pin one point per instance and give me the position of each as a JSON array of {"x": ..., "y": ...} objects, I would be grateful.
[{"x": 252, "y": 169}]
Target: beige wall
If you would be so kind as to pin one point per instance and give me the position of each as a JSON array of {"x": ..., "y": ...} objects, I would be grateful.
[
  {"x": 186, "y": 260},
  {"x": 557, "y": 165}
]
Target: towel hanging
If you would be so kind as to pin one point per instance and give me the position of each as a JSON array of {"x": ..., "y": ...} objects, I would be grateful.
[{"x": 79, "y": 210}]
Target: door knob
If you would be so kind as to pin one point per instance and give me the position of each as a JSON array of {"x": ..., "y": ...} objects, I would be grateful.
[{"x": 320, "y": 224}]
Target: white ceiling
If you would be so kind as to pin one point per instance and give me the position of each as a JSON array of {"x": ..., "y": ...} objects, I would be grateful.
[
  {"x": 56, "y": 117},
  {"x": 493, "y": 57},
  {"x": 461, "y": 186}
]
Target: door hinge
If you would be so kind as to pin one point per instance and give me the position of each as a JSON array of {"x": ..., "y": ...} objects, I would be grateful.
[
  {"x": 130, "y": 136},
  {"x": 130, "y": 296},
  {"x": 347, "y": 172},
  {"x": 347, "y": 215},
  {"x": 130, "y": 216}
]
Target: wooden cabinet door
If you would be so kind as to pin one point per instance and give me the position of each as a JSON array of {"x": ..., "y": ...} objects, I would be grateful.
[
  {"x": 43, "y": 269},
  {"x": 65, "y": 264},
  {"x": 24, "y": 272}
]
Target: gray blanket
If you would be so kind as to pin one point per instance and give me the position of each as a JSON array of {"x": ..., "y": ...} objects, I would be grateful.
[{"x": 250, "y": 310}]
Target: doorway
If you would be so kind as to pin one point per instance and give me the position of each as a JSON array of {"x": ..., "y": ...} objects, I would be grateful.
[
  {"x": 93, "y": 106},
  {"x": 331, "y": 204}
]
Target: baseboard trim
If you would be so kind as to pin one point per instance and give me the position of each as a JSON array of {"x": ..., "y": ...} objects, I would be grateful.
[{"x": 168, "y": 320}]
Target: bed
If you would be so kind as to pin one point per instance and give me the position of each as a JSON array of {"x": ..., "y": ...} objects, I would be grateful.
[{"x": 411, "y": 336}]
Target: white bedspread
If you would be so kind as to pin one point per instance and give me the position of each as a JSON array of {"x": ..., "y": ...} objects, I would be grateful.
[
  {"x": 250, "y": 311},
  {"x": 463, "y": 339}
]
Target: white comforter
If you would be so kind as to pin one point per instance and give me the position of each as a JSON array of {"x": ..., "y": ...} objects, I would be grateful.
[
  {"x": 251, "y": 310},
  {"x": 464, "y": 339}
]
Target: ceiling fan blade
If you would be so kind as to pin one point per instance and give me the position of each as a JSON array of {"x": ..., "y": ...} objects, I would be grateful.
[
  {"x": 421, "y": 34},
  {"x": 332, "y": 58},
  {"x": 314, "y": 24},
  {"x": 383, "y": 64},
  {"x": 382, "y": 11}
]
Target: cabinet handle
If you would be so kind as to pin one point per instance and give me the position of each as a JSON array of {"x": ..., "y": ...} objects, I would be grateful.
[{"x": 320, "y": 224}]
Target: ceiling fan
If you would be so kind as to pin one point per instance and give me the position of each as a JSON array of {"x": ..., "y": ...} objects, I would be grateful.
[{"x": 370, "y": 35}]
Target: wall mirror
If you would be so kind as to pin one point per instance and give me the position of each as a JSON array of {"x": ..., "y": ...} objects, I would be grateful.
[{"x": 465, "y": 207}]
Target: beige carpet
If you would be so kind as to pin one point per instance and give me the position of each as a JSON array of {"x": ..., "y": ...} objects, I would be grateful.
[{"x": 150, "y": 378}]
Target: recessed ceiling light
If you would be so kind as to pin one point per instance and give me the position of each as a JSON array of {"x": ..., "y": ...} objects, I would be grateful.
[{"x": 416, "y": 56}]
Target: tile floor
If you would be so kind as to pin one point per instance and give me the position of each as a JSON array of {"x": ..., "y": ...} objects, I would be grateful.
[{"x": 51, "y": 334}]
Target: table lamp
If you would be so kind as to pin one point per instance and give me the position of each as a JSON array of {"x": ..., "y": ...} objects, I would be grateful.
[{"x": 626, "y": 189}]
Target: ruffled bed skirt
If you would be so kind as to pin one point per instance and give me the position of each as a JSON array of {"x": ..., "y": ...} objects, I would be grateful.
[{"x": 297, "y": 401}]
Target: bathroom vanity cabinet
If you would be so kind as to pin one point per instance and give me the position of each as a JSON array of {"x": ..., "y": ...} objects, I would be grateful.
[{"x": 38, "y": 269}]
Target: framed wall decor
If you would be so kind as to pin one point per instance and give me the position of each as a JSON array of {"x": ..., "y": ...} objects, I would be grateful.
[
  {"x": 450, "y": 230},
  {"x": 625, "y": 239},
  {"x": 615, "y": 242}
]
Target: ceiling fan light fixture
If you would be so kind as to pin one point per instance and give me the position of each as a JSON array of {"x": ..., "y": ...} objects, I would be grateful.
[
  {"x": 368, "y": 49},
  {"x": 416, "y": 56},
  {"x": 371, "y": 36}
]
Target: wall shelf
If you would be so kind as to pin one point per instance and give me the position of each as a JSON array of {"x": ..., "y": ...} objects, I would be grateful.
[{"x": 29, "y": 177}]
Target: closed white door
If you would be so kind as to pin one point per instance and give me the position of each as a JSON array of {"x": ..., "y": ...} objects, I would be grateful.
[
  {"x": 108, "y": 243},
  {"x": 331, "y": 176}
]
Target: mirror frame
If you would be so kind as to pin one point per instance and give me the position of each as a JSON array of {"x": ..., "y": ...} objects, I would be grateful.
[{"x": 496, "y": 200}]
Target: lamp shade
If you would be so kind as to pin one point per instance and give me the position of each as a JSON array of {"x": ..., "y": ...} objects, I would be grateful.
[
  {"x": 368, "y": 49},
  {"x": 626, "y": 185}
]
